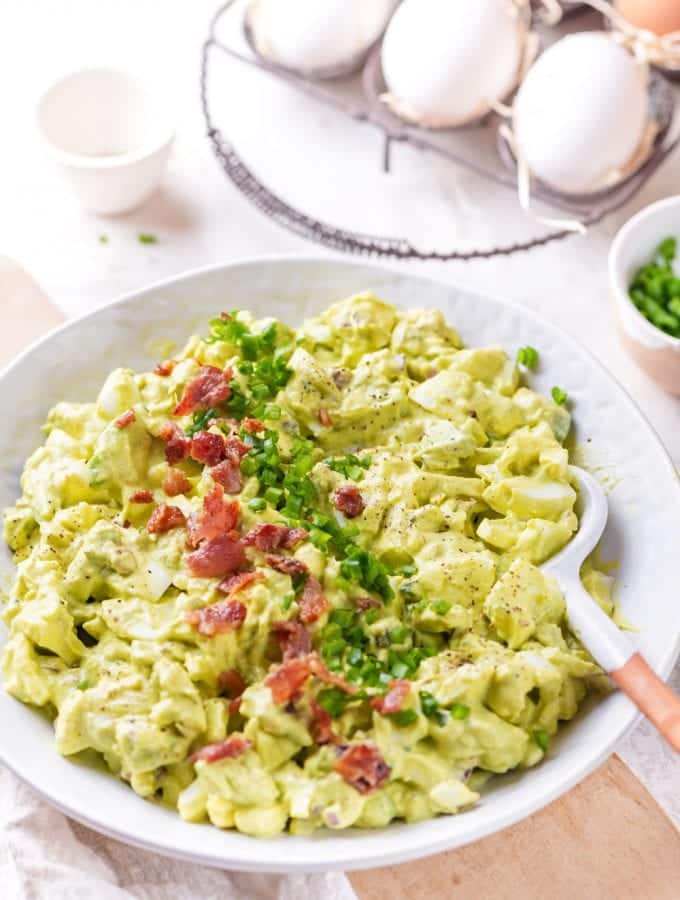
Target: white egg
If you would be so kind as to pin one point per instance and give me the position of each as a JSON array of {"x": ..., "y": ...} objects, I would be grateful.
[
  {"x": 308, "y": 35},
  {"x": 445, "y": 62},
  {"x": 581, "y": 112}
]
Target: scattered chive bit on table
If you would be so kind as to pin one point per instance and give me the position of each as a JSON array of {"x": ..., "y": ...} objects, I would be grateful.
[
  {"x": 655, "y": 289},
  {"x": 559, "y": 396},
  {"x": 145, "y": 238},
  {"x": 103, "y": 238},
  {"x": 528, "y": 357}
]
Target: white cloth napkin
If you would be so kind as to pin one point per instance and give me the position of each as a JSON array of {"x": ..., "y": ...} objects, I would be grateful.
[{"x": 46, "y": 856}]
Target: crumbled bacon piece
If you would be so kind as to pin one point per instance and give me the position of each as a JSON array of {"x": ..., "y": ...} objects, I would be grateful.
[
  {"x": 313, "y": 603},
  {"x": 217, "y": 618},
  {"x": 231, "y": 683},
  {"x": 217, "y": 557},
  {"x": 127, "y": 418},
  {"x": 234, "y": 706},
  {"x": 209, "y": 388},
  {"x": 176, "y": 482},
  {"x": 228, "y": 474},
  {"x": 321, "y": 726},
  {"x": 287, "y": 679},
  {"x": 267, "y": 536},
  {"x": 325, "y": 418},
  {"x": 207, "y": 448},
  {"x": 294, "y": 639},
  {"x": 164, "y": 518},
  {"x": 142, "y": 496},
  {"x": 177, "y": 444},
  {"x": 235, "y": 449},
  {"x": 362, "y": 766},
  {"x": 319, "y": 669},
  {"x": 294, "y": 537},
  {"x": 349, "y": 501},
  {"x": 364, "y": 603},
  {"x": 393, "y": 700},
  {"x": 286, "y": 564},
  {"x": 217, "y": 517},
  {"x": 235, "y": 583},
  {"x": 252, "y": 426},
  {"x": 230, "y": 748},
  {"x": 165, "y": 368}
]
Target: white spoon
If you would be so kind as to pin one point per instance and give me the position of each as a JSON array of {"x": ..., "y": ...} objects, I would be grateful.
[{"x": 609, "y": 646}]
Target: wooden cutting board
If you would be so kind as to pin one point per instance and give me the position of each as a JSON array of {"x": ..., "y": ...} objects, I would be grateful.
[{"x": 605, "y": 840}]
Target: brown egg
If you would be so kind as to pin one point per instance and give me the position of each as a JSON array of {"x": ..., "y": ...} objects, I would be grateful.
[{"x": 660, "y": 16}]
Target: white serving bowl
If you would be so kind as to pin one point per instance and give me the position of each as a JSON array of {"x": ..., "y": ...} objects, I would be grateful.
[
  {"x": 72, "y": 362},
  {"x": 653, "y": 350},
  {"x": 110, "y": 136}
]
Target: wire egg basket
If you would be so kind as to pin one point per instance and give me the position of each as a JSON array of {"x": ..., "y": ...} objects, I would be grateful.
[{"x": 355, "y": 94}]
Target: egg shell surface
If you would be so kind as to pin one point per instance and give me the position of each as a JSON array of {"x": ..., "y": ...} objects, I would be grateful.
[
  {"x": 316, "y": 34},
  {"x": 581, "y": 112},
  {"x": 446, "y": 61}
]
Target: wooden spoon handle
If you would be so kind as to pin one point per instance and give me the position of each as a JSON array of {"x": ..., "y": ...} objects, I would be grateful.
[{"x": 650, "y": 694}]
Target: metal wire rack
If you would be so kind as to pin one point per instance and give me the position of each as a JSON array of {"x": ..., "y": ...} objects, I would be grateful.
[{"x": 369, "y": 110}]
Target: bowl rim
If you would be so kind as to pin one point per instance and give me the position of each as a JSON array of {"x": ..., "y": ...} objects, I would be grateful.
[
  {"x": 158, "y": 142},
  {"x": 616, "y": 273},
  {"x": 354, "y": 859}
]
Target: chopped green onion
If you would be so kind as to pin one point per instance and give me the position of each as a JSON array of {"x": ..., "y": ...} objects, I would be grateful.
[
  {"x": 460, "y": 711},
  {"x": 257, "y": 504},
  {"x": 528, "y": 356},
  {"x": 333, "y": 700},
  {"x": 542, "y": 739},
  {"x": 399, "y": 634},
  {"x": 271, "y": 412},
  {"x": 200, "y": 421},
  {"x": 355, "y": 656},
  {"x": 334, "y": 648},
  {"x": 342, "y": 617},
  {"x": 400, "y": 669},
  {"x": 145, "y": 238},
  {"x": 404, "y": 717},
  {"x": 559, "y": 396},
  {"x": 441, "y": 607},
  {"x": 287, "y": 601}
]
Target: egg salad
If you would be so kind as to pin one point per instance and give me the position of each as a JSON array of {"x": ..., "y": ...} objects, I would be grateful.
[{"x": 290, "y": 579}]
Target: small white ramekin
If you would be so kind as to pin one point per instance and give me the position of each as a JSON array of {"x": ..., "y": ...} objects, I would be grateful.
[
  {"x": 109, "y": 136},
  {"x": 656, "y": 352}
]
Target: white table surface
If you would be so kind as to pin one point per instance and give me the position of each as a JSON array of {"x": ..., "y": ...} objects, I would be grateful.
[{"x": 200, "y": 219}]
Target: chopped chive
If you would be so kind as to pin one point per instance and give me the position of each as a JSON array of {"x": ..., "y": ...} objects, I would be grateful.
[
  {"x": 399, "y": 634},
  {"x": 542, "y": 739},
  {"x": 333, "y": 700},
  {"x": 441, "y": 607},
  {"x": 528, "y": 356},
  {"x": 257, "y": 504},
  {"x": 460, "y": 711},
  {"x": 103, "y": 239},
  {"x": 400, "y": 669},
  {"x": 404, "y": 717},
  {"x": 287, "y": 601},
  {"x": 559, "y": 396},
  {"x": 145, "y": 238}
]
